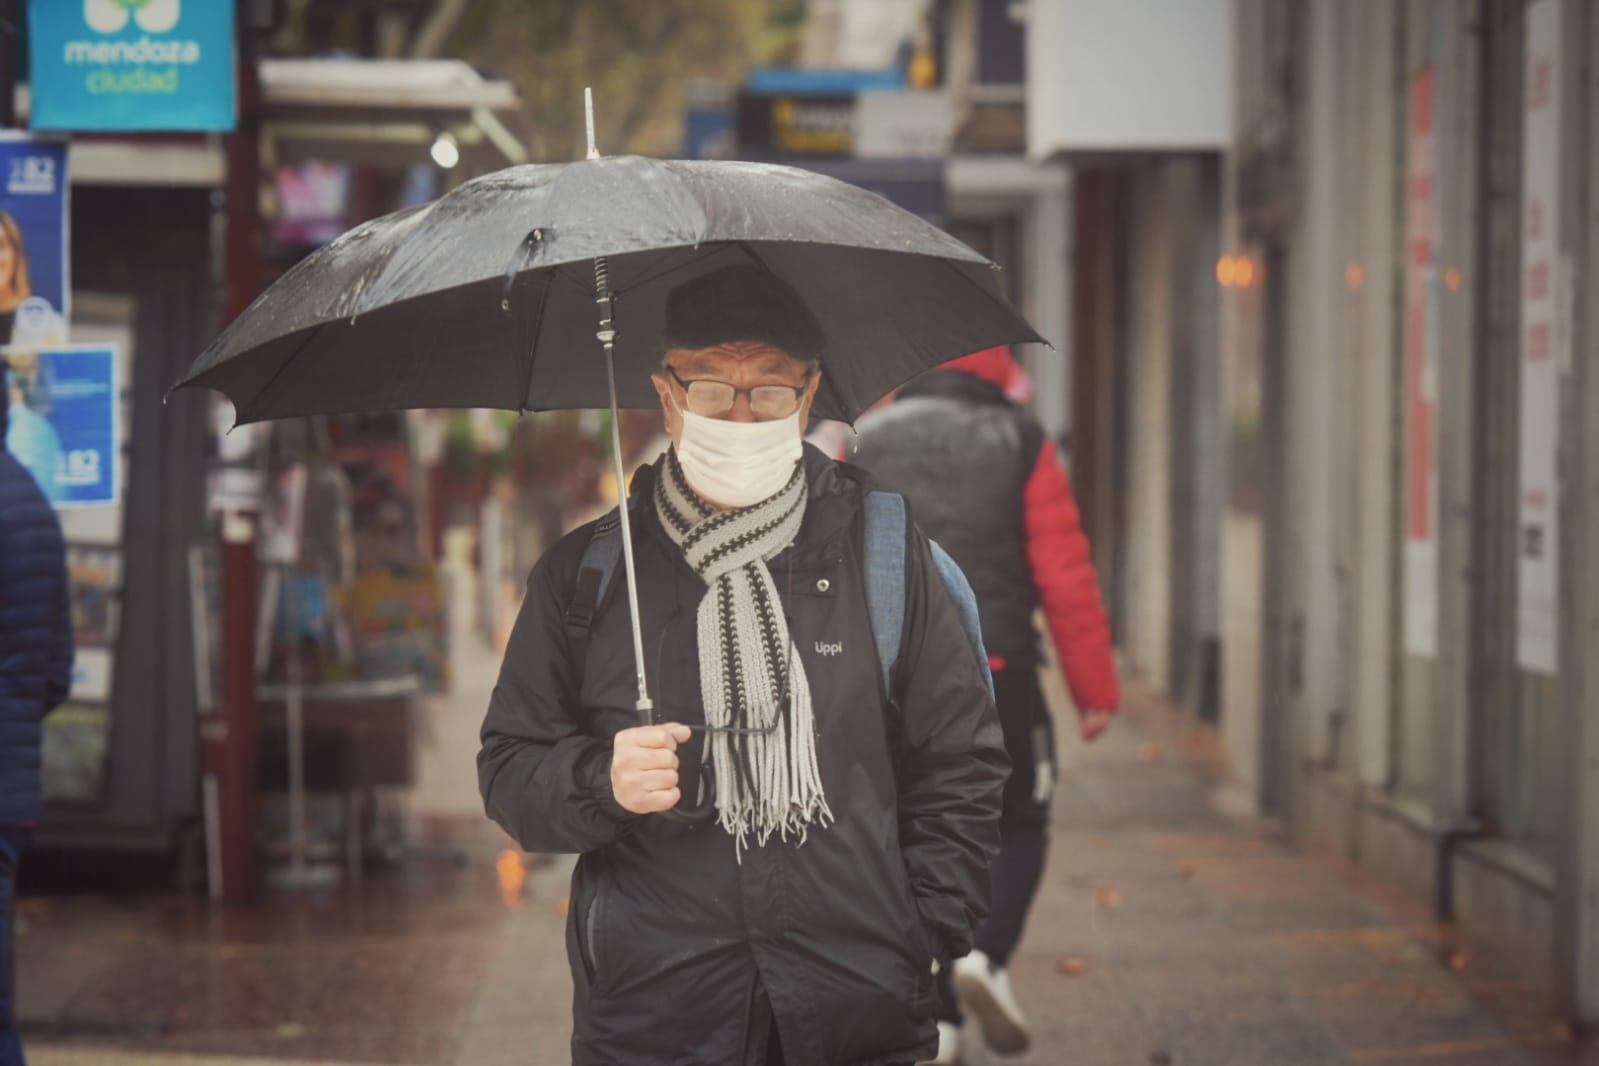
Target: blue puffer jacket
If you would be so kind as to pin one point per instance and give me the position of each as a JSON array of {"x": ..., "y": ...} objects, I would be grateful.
[{"x": 35, "y": 631}]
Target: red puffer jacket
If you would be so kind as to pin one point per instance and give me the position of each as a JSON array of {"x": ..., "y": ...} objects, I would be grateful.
[{"x": 1058, "y": 553}]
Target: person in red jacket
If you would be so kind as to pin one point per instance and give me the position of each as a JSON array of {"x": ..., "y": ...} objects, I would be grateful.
[{"x": 986, "y": 482}]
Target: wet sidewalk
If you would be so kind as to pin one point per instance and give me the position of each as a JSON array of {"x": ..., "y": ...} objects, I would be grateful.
[
  {"x": 1169, "y": 934},
  {"x": 1165, "y": 934}
]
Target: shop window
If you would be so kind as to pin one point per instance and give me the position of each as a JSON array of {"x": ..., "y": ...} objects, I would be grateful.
[{"x": 1522, "y": 713}]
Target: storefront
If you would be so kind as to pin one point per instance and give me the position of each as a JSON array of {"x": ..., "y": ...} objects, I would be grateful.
[
  {"x": 1408, "y": 521},
  {"x": 350, "y": 627},
  {"x": 1131, "y": 105},
  {"x": 1422, "y": 683},
  {"x": 350, "y": 619},
  {"x": 121, "y": 758}
]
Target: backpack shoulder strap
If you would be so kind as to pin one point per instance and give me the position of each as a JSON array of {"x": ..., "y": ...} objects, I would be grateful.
[
  {"x": 885, "y": 577},
  {"x": 886, "y": 539},
  {"x": 965, "y": 601},
  {"x": 594, "y": 573}
]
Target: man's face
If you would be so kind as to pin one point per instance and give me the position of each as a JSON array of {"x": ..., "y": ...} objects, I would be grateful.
[{"x": 766, "y": 385}]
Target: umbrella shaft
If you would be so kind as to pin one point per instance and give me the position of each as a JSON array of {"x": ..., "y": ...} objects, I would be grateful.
[{"x": 607, "y": 338}]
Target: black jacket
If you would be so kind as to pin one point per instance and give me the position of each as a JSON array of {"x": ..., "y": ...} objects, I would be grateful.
[
  {"x": 671, "y": 940},
  {"x": 963, "y": 453},
  {"x": 35, "y": 631}
]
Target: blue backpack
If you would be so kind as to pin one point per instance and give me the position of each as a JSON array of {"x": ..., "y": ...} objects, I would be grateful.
[{"x": 885, "y": 583}]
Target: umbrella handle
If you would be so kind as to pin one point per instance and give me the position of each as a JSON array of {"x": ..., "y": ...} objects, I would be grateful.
[
  {"x": 700, "y": 813},
  {"x": 685, "y": 814},
  {"x": 691, "y": 815}
]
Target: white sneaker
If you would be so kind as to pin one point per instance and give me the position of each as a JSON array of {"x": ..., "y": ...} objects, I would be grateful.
[
  {"x": 986, "y": 994},
  {"x": 949, "y": 1046}
]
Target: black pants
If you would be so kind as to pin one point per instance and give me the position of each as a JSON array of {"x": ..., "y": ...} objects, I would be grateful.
[{"x": 1023, "y": 821}]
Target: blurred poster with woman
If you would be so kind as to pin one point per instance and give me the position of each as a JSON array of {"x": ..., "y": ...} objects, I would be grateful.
[{"x": 34, "y": 274}]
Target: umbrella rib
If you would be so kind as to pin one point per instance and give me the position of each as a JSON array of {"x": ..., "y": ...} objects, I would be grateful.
[
  {"x": 260, "y": 396},
  {"x": 992, "y": 299},
  {"x": 533, "y": 345},
  {"x": 827, "y": 379},
  {"x": 583, "y": 285},
  {"x": 718, "y": 250}
]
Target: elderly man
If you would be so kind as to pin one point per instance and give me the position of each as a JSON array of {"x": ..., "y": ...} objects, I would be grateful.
[{"x": 853, "y": 820}]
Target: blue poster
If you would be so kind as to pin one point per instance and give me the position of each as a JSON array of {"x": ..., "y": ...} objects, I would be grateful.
[
  {"x": 63, "y": 421},
  {"x": 131, "y": 64},
  {"x": 33, "y": 240}
]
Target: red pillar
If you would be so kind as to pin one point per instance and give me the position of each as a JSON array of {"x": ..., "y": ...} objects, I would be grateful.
[{"x": 229, "y": 743}]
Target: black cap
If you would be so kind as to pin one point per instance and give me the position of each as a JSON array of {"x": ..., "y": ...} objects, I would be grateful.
[{"x": 743, "y": 302}]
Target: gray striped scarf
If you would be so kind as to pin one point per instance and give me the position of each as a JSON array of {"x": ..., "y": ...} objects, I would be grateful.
[{"x": 766, "y": 782}]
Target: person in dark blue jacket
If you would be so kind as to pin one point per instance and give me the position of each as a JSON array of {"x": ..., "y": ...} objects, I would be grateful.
[{"x": 35, "y": 675}]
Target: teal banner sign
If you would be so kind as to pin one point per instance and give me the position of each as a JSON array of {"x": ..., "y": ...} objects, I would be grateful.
[{"x": 131, "y": 64}]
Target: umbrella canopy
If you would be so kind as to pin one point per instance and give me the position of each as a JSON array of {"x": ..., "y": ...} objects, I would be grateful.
[{"x": 486, "y": 296}]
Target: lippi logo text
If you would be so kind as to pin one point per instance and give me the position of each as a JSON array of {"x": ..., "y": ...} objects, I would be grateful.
[{"x": 828, "y": 649}]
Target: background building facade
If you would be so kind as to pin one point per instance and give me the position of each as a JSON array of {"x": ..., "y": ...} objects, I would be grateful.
[{"x": 1334, "y": 430}]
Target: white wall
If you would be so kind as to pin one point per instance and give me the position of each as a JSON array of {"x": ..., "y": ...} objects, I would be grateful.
[
  {"x": 1374, "y": 358},
  {"x": 1046, "y": 242},
  {"x": 1038, "y": 195},
  {"x": 1130, "y": 74},
  {"x": 1319, "y": 403},
  {"x": 1149, "y": 437},
  {"x": 846, "y": 33},
  {"x": 1242, "y": 610}
]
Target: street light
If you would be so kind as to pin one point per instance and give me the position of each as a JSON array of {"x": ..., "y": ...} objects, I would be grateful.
[{"x": 445, "y": 152}]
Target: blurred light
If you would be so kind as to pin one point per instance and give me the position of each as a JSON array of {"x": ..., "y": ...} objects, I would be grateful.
[
  {"x": 512, "y": 875},
  {"x": 1451, "y": 279},
  {"x": 1246, "y": 271},
  {"x": 1355, "y": 276},
  {"x": 1226, "y": 270},
  {"x": 445, "y": 152},
  {"x": 922, "y": 71},
  {"x": 607, "y": 489}
]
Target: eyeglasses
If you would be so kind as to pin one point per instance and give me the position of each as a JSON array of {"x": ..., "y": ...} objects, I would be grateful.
[{"x": 714, "y": 399}]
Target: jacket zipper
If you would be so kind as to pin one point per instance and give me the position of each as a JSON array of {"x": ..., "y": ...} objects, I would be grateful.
[{"x": 591, "y": 923}]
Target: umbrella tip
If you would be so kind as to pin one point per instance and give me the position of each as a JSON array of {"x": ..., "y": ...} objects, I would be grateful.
[{"x": 588, "y": 120}]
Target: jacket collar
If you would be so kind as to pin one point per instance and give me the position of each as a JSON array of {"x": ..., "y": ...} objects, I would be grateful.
[{"x": 834, "y": 494}]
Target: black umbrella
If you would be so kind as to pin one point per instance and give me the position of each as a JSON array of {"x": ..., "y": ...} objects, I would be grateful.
[
  {"x": 494, "y": 295},
  {"x": 485, "y": 297}
]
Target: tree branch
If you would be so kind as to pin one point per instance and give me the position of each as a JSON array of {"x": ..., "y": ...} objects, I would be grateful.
[{"x": 431, "y": 38}]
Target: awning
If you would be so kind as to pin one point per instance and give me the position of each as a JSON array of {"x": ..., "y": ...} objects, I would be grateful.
[
  {"x": 162, "y": 159},
  {"x": 381, "y": 112},
  {"x": 385, "y": 111}
]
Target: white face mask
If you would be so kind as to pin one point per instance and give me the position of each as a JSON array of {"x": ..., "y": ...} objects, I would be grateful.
[{"x": 738, "y": 464}]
